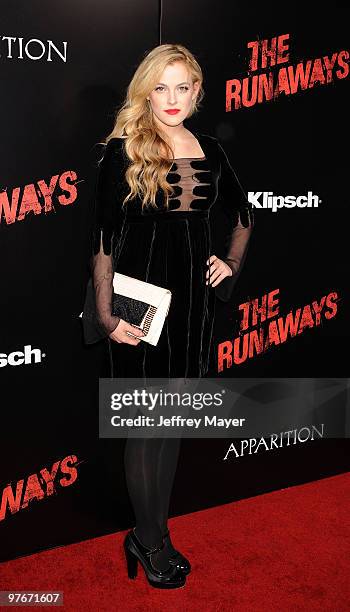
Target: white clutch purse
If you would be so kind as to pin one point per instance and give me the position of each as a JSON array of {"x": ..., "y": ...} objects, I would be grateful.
[{"x": 141, "y": 304}]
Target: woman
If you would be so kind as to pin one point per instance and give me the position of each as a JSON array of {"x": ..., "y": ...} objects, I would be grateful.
[{"x": 156, "y": 185}]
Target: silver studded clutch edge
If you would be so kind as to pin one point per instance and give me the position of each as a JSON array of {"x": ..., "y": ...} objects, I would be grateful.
[{"x": 141, "y": 304}]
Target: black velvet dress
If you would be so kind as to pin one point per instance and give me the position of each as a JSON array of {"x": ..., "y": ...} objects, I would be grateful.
[{"x": 169, "y": 248}]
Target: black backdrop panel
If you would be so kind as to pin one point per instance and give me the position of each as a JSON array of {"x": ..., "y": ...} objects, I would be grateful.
[
  {"x": 290, "y": 145},
  {"x": 54, "y": 114}
]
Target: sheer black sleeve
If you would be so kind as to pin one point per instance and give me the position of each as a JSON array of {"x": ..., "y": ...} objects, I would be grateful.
[
  {"x": 98, "y": 322},
  {"x": 240, "y": 222}
]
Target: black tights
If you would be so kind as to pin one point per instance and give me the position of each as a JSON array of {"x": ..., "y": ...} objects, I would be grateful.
[{"x": 150, "y": 466}]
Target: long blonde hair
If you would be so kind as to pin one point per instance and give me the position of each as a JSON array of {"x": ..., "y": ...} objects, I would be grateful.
[{"x": 134, "y": 122}]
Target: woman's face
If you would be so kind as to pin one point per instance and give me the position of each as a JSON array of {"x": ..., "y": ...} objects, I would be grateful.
[{"x": 174, "y": 92}]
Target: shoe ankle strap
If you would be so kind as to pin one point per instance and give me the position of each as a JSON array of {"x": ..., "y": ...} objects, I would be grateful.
[
  {"x": 150, "y": 551},
  {"x": 155, "y": 550}
]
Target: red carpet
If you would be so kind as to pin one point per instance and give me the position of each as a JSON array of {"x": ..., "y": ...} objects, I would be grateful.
[{"x": 287, "y": 550}]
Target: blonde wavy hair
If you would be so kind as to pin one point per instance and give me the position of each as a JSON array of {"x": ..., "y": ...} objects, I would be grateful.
[{"x": 143, "y": 138}]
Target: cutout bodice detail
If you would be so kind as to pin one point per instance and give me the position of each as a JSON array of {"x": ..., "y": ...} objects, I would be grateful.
[{"x": 189, "y": 181}]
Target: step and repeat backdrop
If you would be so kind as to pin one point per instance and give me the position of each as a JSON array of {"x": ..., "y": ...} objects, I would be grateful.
[{"x": 276, "y": 86}]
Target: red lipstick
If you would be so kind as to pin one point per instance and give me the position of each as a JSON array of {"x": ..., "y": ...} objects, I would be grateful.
[{"x": 172, "y": 111}]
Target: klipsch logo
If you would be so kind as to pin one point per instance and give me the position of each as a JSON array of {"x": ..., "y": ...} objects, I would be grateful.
[
  {"x": 27, "y": 356},
  {"x": 266, "y": 199}
]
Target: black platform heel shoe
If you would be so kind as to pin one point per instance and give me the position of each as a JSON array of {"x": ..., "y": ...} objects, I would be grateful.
[
  {"x": 177, "y": 559},
  {"x": 171, "y": 578}
]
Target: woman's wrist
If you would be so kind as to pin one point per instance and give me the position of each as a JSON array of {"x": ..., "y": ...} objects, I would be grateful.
[{"x": 232, "y": 264}]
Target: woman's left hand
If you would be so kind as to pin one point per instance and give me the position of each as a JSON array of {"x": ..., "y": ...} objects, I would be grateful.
[{"x": 218, "y": 270}]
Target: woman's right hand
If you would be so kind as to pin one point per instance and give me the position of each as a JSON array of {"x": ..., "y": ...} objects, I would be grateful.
[{"x": 119, "y": 333}]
